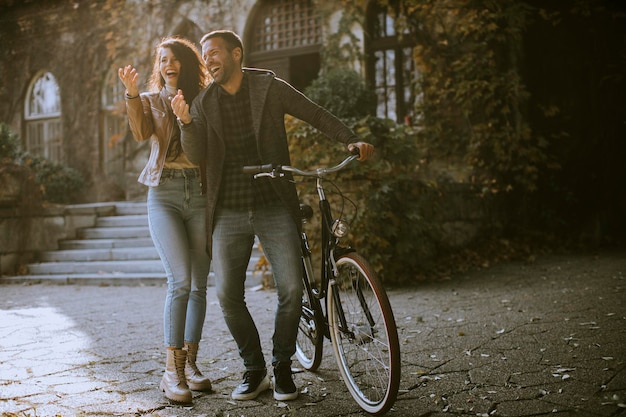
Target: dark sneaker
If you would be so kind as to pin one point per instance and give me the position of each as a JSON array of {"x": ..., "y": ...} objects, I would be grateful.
[
  {"x": 254, "y": 383},
  {"x": 284, "y": 388}
]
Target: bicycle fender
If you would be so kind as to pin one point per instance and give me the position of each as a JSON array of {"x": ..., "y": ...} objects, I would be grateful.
[{"x": 340, "y": 251}]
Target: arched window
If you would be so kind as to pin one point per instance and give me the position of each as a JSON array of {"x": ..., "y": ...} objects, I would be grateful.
[
  {"x": 113, "y": 125},
  {"x": 390, "y": 64},
  {"x": 42, "y": 115},
  {"x": 286, "y": 36}
]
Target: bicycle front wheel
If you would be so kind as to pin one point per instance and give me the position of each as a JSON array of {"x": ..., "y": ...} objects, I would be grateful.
[{"x": 364, "y": 335}]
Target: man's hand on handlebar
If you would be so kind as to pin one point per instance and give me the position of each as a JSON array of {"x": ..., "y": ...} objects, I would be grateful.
[{"x": 363, "y": 149}]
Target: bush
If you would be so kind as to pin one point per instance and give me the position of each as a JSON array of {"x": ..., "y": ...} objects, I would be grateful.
[
  {"x": 389, "y": 225},
  {"x": 394, "y": 229},
  {"x": 390, "y": 222},
  {"x": 60, "y": 183},
  {"x": 9, "y": 144},
  {"x": 342, "y": 92}
]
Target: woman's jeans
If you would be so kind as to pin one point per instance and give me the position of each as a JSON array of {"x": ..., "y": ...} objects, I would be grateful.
[
  {"x": 176, "y": 213},
  {"x": 233, "y": 238}
]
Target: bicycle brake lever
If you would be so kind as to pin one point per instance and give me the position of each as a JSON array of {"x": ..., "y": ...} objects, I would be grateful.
[{"x": 272, "y": 174}]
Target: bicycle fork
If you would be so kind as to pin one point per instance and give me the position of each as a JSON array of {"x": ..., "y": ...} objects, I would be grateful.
[{"x": 331, "y": 272}]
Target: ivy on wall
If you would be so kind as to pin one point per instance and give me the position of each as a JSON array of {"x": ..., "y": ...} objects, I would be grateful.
[
  {"x": 342, "y": 48},
  {"x": 473, "y": 96}
]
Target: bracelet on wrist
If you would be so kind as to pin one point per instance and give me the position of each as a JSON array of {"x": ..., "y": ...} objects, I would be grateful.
[
  {"x": 128, "y": 96},
  {"x": 181, "y": 123}
]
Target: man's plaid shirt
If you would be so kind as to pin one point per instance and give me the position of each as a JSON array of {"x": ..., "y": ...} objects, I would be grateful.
[{"x": 239, "y": 190}]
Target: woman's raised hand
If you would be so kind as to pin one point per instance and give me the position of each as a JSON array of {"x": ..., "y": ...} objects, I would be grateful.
[{"x": 129, "y": 78}]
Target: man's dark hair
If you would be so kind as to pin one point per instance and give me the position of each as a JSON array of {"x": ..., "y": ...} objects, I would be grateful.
[{"x": 231, "y": 38}]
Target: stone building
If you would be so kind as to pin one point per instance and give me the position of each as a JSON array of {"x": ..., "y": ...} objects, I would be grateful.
[
  {"x": 60, "y": 92},
  {"x": 59, "y": 59}
]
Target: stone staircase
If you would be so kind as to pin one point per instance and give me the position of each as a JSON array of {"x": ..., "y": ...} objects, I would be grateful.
[{"x": 117, "y": 251}]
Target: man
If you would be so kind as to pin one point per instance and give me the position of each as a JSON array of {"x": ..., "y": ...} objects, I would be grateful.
[{"x": 239, "y": 120}]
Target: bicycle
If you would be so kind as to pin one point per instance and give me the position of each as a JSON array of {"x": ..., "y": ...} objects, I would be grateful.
[{"x": 356, "y": 317}]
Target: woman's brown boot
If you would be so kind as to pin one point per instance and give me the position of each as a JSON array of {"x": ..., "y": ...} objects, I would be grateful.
[
  {"x": 173, "y": 383},
  {"x": 195, "y": 380}
]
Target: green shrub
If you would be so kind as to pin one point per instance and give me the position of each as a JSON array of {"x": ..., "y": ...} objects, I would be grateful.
[
  {"x": 60, "y": 183},
  {"x": 343, "y": 92},
  {"x": 9, "y": 143},
  {"x": 390, "y": 224},
  {"x": 393, "y": 229}
]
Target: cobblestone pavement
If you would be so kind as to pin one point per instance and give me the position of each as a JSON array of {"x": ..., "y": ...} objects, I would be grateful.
[{"x": 547, "y": 338}]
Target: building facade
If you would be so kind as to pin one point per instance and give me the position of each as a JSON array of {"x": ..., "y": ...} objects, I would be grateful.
[{"x": 58, "y": 64}]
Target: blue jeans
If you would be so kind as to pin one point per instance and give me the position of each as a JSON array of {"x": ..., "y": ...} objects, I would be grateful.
[
  {"x": 176, "y": 213},
  {"x": 233, "y": 238}
]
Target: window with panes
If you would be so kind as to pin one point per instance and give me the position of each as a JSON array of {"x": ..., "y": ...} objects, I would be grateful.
[
  {"x": 42, "y": 116},
  {"x": 390, "y": 65},
  {"x": 286, "y": 36}
]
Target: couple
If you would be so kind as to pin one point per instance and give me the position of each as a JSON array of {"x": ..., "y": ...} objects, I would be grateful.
[{"x": 206, "y": 118}]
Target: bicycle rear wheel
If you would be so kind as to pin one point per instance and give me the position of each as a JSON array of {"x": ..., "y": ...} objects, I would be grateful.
[
  {"x": 367, "y": 349},
  {"x": 310, "y": 339}
]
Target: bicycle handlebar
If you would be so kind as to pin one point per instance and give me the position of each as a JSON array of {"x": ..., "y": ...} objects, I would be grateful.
[{"x": 274, "y": 171}]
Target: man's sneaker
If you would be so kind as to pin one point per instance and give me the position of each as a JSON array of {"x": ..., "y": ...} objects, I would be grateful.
[
  {"x": 284, "y": 388},
  {"x": 254, "y": 382}
]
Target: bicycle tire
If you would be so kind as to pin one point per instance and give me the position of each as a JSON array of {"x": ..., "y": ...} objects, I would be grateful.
[
  {"x": 368, "y": 355},
  {"x": 310, "y": 338}
]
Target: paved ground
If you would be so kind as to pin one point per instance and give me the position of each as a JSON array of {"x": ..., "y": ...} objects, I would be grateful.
[{"x": 515, "y": 340}]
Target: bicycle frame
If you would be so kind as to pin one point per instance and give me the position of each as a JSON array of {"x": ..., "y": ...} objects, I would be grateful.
[
  {"x": 330, "y": 248},
  {"x": 356, "y": 315},
  {"x": 328, "y": 267}
]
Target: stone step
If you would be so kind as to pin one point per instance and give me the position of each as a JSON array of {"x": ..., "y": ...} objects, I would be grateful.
[
  {"x": 105, "y": 243},
  {"x": 135, "y": 220},
  {"x": 130, "y": 208},
  {"x": 87, "y": 255},
  {"x": 102, "y": 279},
  {"x": 121, "y": 260},
  {"x": 95, "y": 267},
  {"x": 132, "y": 263},
  {"x": 113, "y": 232},
  {"x": 117, "y": 278},
  {"x": 109, "y": 249}
]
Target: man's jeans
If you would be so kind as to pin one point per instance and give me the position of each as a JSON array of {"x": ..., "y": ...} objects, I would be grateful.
[
  {"x": 176, "y": 213},
  {"x": 233, "y": 238}
]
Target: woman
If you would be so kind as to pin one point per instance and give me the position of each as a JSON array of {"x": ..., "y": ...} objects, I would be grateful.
[{"x": 176, "y": 207}]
